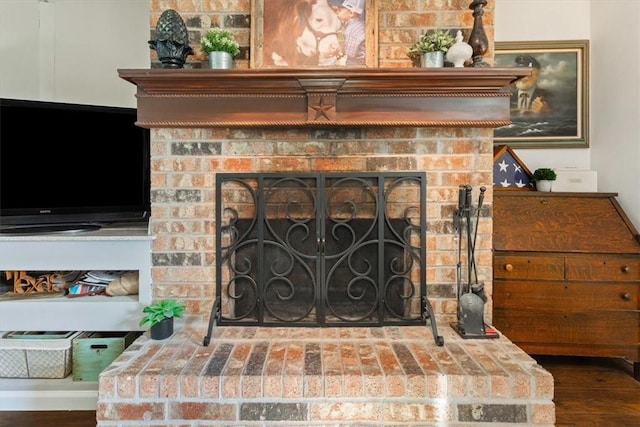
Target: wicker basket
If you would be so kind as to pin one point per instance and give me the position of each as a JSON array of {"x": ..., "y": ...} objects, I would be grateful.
[{"x": 36, "y": 354}]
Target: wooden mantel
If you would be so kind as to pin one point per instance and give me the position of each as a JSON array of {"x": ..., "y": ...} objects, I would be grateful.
[{"x": 443, "y": 97}]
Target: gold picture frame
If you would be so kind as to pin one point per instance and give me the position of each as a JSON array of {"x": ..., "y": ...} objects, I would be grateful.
[
  {"x": 282, "y": 35},
  {"x": 555, "y": 112}
]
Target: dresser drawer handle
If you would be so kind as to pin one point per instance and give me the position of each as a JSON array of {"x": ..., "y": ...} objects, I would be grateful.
[
  {"x": 544, "y": 201},
  {"x": 625, "y": 269},
  {"x": 626, "y": 296},
  {"x": 508, "y": 267}
]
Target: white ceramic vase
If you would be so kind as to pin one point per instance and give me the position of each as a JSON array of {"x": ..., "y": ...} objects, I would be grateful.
[
  {"x": 432, "y": 59},
  {"x": 544, "y": 185},
  {"x": 460, "y": 52},
  {"x": 220, "y": 60}
]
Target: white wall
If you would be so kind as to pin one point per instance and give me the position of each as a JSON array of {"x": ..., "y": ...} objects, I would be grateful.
[
  {"x": 78, "y": 46},
  {"x": 19, "y": 49},
  {"x": 616, "y": 92},
  {"x": 614, "y": 131}
]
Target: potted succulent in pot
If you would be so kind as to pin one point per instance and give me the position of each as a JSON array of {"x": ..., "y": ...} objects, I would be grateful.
[
  {"x": 160, "y": 316},
  {"x": 544, "y": 178},
  {"x": 221, "y": 46},
  {"x": 431, "y": 47}
]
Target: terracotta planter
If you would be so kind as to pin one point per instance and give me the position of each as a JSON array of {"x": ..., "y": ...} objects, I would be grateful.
[{"x": 162, "y": 330}]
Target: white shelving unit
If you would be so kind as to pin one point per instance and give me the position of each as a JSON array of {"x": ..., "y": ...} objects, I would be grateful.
[{"x": 111, "y": 248}]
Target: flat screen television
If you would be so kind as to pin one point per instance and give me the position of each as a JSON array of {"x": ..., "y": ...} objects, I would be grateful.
[{"x": 71, "y": 167}]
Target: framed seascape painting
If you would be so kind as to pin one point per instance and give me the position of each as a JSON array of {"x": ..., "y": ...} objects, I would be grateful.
[
  {"x": 549, "y": 108},
  {"x": 314, "y": 33}
]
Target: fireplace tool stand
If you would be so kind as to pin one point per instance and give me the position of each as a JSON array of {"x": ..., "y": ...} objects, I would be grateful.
[{"x": 470, "y": 292}]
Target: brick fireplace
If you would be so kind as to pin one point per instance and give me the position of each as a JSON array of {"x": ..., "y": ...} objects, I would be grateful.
[
  {"x": 392, "y": 118},
  {"x": 438, "y": 122}
]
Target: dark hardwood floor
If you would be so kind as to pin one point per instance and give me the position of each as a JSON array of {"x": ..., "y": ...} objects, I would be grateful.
[
  {"x": 593, "y": 391},
  {"x": 48, "y": 419},
  {"x": 589, "y": 392}
]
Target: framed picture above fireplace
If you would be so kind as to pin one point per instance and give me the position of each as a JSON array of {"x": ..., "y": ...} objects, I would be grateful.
[
  {"x": 314, "y": 33},
  {"x": 549, "y": 108}
]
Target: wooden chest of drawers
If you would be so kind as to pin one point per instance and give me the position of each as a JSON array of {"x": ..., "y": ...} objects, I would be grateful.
[{"x": 566, "y": 274}]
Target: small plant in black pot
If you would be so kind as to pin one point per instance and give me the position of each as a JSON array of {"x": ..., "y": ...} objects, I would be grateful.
[
  {"x": 160, "y": 316},
  {"x": 543, "y": 178}
]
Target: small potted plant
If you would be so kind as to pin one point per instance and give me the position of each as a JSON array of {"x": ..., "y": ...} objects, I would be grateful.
[
  {"x": 431, "y": 47},
  {"x": 221, "y": 46},
  {"x": 544, "y": 178},
  {"x": 160, "y": 316}
]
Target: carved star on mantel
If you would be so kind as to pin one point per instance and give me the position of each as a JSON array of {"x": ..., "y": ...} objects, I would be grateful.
[{"x": 322, "y": 109}]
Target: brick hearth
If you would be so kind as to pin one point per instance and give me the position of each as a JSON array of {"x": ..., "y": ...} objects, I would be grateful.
[{"x": 324, "y": 377}]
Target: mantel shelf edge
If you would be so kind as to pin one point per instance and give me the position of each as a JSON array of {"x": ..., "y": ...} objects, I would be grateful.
[{"x": 446, "y": 97}]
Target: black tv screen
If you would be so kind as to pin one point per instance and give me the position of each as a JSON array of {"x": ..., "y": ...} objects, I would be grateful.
[{"x": 71, "y": 166}]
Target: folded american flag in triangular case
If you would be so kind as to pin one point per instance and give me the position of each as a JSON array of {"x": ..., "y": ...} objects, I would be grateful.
[{"x": 508, "y": 170}]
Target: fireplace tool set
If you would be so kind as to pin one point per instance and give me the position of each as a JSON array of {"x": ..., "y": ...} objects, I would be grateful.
[{"x": 470, "y": 292}]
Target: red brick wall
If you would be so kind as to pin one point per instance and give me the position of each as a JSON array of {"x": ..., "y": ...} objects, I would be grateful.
[{"x": 185, "y": 161}]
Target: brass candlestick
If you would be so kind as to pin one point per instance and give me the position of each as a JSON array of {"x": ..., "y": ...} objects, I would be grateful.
[{"x": 478, "y": 38}]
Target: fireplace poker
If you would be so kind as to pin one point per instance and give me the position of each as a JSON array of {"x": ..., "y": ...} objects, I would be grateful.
[
  {"x": 457, "y": 225},
  {"x": 475, "y": 232},
  {"x": 467, "y": 211}
]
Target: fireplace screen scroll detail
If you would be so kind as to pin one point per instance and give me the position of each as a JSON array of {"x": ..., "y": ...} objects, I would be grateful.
[{"x": 321, "y": 250}]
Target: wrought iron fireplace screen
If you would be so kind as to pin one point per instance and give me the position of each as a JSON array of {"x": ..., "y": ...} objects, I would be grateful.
[{"x": 321, "y": 250}]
